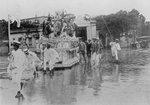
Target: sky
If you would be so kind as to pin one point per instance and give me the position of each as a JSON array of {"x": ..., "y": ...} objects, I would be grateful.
[{"x": 30, "y": 8}]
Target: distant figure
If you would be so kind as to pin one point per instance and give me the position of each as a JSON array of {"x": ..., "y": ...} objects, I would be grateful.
[
  {"x": 94, "y": 46},
  {"x": 94, "y": 56},
  {"x": 82, "y": 50},
  {"x": 51, "y": 56},
  {"x": 100, "y": 47},
  {"x": 98, "y": 51},
  {"x": 115, "y": 47},
  {"x": 17, "y": 64},
  {"x": 89, "y": 45}
]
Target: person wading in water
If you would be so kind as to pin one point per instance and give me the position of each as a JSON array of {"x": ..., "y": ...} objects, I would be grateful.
[
  {"x": 82, "y": 50},
  {"x": 115, "y": 47},
  {"x": 16, "y": 65}
]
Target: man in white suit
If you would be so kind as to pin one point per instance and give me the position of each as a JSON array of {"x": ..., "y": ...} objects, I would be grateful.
[{"x": 115, "y": 47}]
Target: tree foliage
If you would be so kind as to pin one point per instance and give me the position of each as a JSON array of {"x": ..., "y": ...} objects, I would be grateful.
[
  {"x": 24, "y": 25},
  {"x": 3, "y": 30},
  {"x": 120, "y": 22}
]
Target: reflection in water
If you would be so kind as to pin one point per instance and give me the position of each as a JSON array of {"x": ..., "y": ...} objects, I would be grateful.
[
  {"x": 20, "y": 100},
  {"x": 66, "y": 85},
  {"x": 61, "y": 89},
  {"x": 115, "y": 74},
  {"x": 97, "y": 80},
  {"x": 83, "y": 76}
]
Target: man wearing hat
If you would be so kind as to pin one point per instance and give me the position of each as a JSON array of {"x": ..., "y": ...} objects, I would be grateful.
[
  {"x": 17, "y": 64},
  {"x": 115, "y": 47}
]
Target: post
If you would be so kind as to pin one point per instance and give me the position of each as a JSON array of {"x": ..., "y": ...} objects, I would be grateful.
[
  {"x": 106, "y": 41},
  {"x": 9, "y": 32}
]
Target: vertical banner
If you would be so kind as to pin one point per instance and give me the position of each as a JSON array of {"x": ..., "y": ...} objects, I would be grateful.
[{"x": 18, "y": 23}]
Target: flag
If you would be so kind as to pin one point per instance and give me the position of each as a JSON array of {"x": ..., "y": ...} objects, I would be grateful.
[{"x": 18, "y": 23}]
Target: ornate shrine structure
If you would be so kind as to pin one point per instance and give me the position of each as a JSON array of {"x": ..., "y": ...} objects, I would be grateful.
[{"x": 62, "y": 38}]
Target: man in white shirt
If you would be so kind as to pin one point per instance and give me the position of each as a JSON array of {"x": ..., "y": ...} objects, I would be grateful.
[
  {"x": 51, "y": 56},
  {"x": 115, "y": 47},
  {"x": 17, "y": 64}
]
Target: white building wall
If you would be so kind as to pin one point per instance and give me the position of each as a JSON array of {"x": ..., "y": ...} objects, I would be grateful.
[
  {"x": 88, "y": 28},
  {"x": 93, "y": 29}
]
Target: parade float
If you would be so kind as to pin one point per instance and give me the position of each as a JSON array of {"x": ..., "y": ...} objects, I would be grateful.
[{"x": 62, "y": 37}]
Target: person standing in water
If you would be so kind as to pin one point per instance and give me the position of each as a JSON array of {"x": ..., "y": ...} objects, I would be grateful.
[
  {"x": 32, "y": 61},
  {"x": 51, "y": 56},
  {"x": 89, "y": 44},
  {"x": 115, "y": 47},
  {"x": 82, "y": 50},
  {"x": 17, "y": 65}
]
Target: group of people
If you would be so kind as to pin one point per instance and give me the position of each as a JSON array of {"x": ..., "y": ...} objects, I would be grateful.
[
  {"x": 23, "y": 63},
  {"x": 92, "y": 49}
]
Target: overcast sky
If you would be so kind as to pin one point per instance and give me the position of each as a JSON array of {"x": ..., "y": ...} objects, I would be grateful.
[{"x": 28, "y": 8}]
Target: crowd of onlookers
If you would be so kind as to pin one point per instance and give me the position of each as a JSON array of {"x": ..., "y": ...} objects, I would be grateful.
[
  {"x": 140, "y": 44},
  {"x": 90, "y": 49}
]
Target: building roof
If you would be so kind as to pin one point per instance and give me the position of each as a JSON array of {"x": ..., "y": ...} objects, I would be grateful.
[
  {"x": 81, "y": 22},
  {"x": 34, "y": 18}
]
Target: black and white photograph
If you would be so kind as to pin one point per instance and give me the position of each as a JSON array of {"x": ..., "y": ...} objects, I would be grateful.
[{"x": 74, "y": 52}]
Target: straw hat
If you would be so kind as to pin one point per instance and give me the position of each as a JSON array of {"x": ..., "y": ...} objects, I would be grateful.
[{"x": 16, "y": 42}]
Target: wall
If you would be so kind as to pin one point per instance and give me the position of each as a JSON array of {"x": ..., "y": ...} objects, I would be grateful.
[
  {"x": 4, "y": 49},
  {"x": 90, "y": 26},
  {"x": 91, "y": 31}
]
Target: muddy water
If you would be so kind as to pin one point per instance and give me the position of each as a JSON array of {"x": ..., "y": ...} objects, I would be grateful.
[{"x": 81, "y": 85}]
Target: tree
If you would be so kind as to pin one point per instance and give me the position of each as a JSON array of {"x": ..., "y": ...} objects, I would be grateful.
[
  {"x": 3, "y": 30},
  {"x": 120, "y": 22}
]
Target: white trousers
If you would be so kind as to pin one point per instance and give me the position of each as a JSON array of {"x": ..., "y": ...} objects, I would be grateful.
[
  {"x": 95, "y": 58},
  {"x": 115, "y": 54}
]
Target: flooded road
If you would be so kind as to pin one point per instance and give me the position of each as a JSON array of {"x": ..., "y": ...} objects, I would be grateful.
[{"x": 81, "y": 85}]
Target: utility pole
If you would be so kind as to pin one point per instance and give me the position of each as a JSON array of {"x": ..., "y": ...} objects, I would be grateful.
[
  {"x": 107, "y": 27},
  {"x": 9, "y": 32}
]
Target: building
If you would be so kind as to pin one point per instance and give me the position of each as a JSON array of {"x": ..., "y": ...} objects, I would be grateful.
[
  {"x": 39, "y": 19},
  {"x": 30, "y": 36},
  {"x": 86, "y": 28}
]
